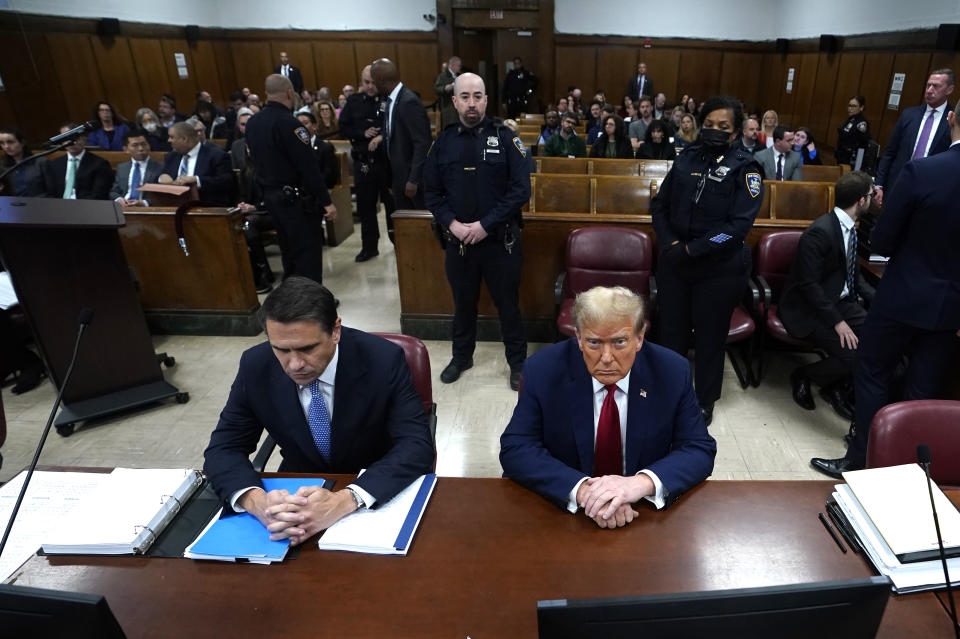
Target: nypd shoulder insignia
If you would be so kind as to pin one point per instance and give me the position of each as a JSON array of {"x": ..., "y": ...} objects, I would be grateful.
[
  {"x": 754, "y": 184},
  {"x": 862, "y": 127},
  {"x": 303, "y": 135},
  {"x": 517, "y": 143}
]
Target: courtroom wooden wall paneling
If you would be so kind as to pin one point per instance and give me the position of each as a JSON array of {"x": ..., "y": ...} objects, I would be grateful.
[
  {"x": 778, "y": 92},
  {"x": 252, "y": 63},
  {"x": 6, "y": 110},
  {"x": 846, "y": 86},
  {"x": 663, "y": 65},
  {"x": 184, "y": 89},
  {"x": 698, "y": 73},
  {"x": 206, "y": 68},
  {"x": 31, "y": 84},
  {"x": 336, "y": 64},
  {"x": 917, "y": 68},
  {"x": 739, "y": 76},
  {"x": 418, "y": 66},
  {"x": 575, "y": 66},
  {"x": 821, "y": 103},
  {"x": 804, "y": 86},
  {"x": 366, "y": 52},
  {"x": 77, "y": 73},
  {"x": 773, "y": 78},
  {"x": 546, "y": 54},
  {"x": 228, "y": 76},
  {"x": 151, "y": 73},
  {"x": 119, "y": 77},
  {"x": 875, "y": 86},
  {"x": 612, "y": 62},
  {"x": 301, "y": 56}
]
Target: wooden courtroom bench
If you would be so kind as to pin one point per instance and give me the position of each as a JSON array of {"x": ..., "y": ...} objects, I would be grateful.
[
  {"x": 221, "y": 142},
  {"x": 591, "y": 194},
  {"x": 604, "y": 166},
  {"x": 209, "y": 292},
  {"x": 796, "y": 200},
  {"x": 814, "y": 173},
  {"x": 114, "y": 157}
]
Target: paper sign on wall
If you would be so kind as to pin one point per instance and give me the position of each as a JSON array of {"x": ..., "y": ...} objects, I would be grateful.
[
  {"x": 181, "y": 61},
  {"x": 896, "y": 89},
  {"x": 898, "y": 79},
  {"x": 790, "y": 74}
]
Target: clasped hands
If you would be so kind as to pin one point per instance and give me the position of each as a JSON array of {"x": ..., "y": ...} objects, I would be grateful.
[
  {"x": 468, "y": 233},
  {"x": 183, "y": 180},
  {"x": 609, "y": 500},
  {"x": 300, "y": 515}
]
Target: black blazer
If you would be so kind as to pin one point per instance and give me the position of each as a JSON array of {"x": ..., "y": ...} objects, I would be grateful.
[
  {"x": 377, "y": 422},
  {"x": 633, "y": 88},
  {"x": 329, "y": 163},
  {"x": 409, "y": 139},
  {"x": 899, "y": 149},
  {"x": 817, "y": 278},
  {"x": 92, "y": 182},
  {"x": 599, "y": 148},
  {"x": 919, "y": 230},
  {"x": 212, "y": 167},
  {"x": 295, "y": 78}
]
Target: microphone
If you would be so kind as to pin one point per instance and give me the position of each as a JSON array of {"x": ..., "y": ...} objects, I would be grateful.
[
  {"x": 923, "y": 457},
  {"x": 86, "y": 316},
  {"x": 86, "y": 127}
]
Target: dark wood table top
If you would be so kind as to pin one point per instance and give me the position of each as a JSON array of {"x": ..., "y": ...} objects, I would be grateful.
[{"x": 485, "y": 552}]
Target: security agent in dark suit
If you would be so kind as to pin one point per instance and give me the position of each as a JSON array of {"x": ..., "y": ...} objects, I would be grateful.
[
  {"x": 477, "y": 180},
  {"x": 640, "y": 84},
  {"x": 606, "y": 419},
  {"x": 916, "y": 310},
  {"x": 905, "y": 141},
  {"x": 91, "y": 174},
  {"x": 125, "y": 189},
  {"x": 406, "y": 134},
  {"x": 336, "y": 400},
  {"x": 201, "y": 163},
  {"x": 286, "y": 168},
  {"x": 825, "y": 297},
  {"x": 289, "y": 71}
]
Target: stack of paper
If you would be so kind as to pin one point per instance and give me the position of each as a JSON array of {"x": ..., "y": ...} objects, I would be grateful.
[
  {"x": 387, "y": 530},
  {"x": 242, "y": 537},
  {"x": 889, "y": 509}
]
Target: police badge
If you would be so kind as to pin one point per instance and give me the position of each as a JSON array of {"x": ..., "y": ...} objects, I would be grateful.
[
  {"x": 303, "y": 135},
  {"x": 493, "y": 140},
  {"x": 754, "y": 184}
]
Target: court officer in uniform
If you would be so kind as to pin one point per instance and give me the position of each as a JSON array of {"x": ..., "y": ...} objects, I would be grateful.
[
  {"x": 288, "y": 172},
  {"x": 854, "y": 133},
  {"x": 476, "y": 181},
  {"x": 701, "y": 215}
]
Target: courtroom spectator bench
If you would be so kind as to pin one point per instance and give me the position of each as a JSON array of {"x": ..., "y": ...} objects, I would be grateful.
[
  {"x": 113, "y": 157},
  {"x": 221, "y": 142},
  {"x": 825, "y": 173},
  {"x": 604, "y": 166}
]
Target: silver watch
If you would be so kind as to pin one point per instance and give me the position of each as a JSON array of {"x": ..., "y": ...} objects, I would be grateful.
[{"x": 357, "y": 498}]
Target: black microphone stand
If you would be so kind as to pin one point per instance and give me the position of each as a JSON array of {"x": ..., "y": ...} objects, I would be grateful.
[
  {"x": 34, "y": 158},
  {"x": 923, "y": 455},
  {"x": 86, "y": 315}
]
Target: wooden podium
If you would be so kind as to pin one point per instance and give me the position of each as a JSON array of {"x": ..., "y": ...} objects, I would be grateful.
[{"x": 64, "y": 255}]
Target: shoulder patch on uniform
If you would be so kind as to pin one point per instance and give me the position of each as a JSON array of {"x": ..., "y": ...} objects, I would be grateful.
[
  {"x": 754, "y": 184},
  {"x": 303, "y": 134},
  {"x": 517, "y": 143},
  {"x": 862, "y": 127}
]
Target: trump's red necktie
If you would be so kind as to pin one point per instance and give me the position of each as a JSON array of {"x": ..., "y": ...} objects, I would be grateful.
[{"x": 607, "y": 456}]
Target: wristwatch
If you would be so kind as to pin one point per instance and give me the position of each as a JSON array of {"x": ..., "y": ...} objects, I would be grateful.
[{"x": 357, "y": 498}]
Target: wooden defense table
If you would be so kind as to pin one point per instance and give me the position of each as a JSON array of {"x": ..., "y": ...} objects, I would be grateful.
[{"x": 485, "y": 552}]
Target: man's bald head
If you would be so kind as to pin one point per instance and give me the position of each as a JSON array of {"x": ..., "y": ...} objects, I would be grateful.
[
  {"x": 279, "y": 88},
  {"x": 385, "y": 75},
  {"x": 366, "y": 82},
  {"x": 470, "y": 98}
]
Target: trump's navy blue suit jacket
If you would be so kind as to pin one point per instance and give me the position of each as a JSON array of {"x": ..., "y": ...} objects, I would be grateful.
[
  {"x": 548, "y": 445},
  {"x": 920, "y": 230},
  {"x": 377, "y": 422},
  {"x": 212, "y": 167},
  {"x": 899, "y": 149}
]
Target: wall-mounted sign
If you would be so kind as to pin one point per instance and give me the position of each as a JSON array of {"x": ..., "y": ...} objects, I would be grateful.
[
  {"x": 790, "y": 74},
  {"x": 181, "y": 62},
  {"x": 896, "y": 89}
]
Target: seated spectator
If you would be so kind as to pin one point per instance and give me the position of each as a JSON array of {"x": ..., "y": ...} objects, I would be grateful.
[
  {"x": 78, "y": 175},
  {"x": 563, "y": 105},
  {"x": 624, "y": 106},
  {"x": 167, "y": 111},
  {"x": 596, "y": 110},
  {"x": 201, "y": 163},
  {"x": 687, "y": 135},
  {"x": 748, "y": 136},
  {"x": 576, "y": 102},
  {"x": 638, "y": 127},
  {"x": 631, "y": 113},
  {"x": 139, "y": 170},
  {"x": 198, "y": 127},
  {"x": 148, "y": 122},
  {"x": 26, "y": 180},
  {"x": 614, "y": 142},
  {"x": 781, "y": 162},
  {"x": 215, "y": 126},
  {"x": 323, "y": 93},
  {"x": 566, "y": 143},
  {"x": 109, "y": 135},
  {"x": 551, "y": 125},
  {"x": 804, "y": 145},
  {"x": 596, "y": 130},
  {"x": 253, "y": 100},
  {"x": 328, "y": 127},
  {"x": 307, "y": 98},
  {"x": 348, "y": 90},
  {"x": 675, "y": 116},
  {"x": 341, "y": 102},
  {"x": 768, "y": 124},
  {"x": 204, "y": 96},
  {"x": 690, "y": 105},
  {"x": 656, "y": 143},
  {"x": 238, "y": 149},
  {"x": 660, "y": 107}
]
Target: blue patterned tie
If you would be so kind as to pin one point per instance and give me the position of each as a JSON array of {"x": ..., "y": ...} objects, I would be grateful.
[
  {"x": 319, "y": 420},
  {"x": 852, "y": 264},
  {"x": 135, "y": 182},
  {"x": 183, "y": 166}
]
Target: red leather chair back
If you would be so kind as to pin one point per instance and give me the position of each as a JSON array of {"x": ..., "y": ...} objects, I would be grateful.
[
  {"x": 3, "y": 422},
  {"x": 418, "y": 359},
  {"x": 608, "y": 256},
  {"x": 775, "y": 254},
  {"x": 897, "y": 430}
]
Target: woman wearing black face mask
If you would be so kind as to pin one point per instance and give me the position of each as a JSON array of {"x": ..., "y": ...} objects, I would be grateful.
[{"x": 701, "y": 214}]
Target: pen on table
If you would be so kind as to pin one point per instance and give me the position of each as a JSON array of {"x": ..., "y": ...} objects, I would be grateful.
[
  {"x": 826, "y": 524},
  {"x": 840, "y": 522}
]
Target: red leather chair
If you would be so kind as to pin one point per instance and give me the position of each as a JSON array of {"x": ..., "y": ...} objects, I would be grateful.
[
  {"x": 603, "y": 256},
  {"x": 3, "y": 427},
  {"x": 897, "y": 430},
  {"x": 773, "y": 259},
  {"x": 418, "y": 359},
  {"x": 742, "y": 330}
]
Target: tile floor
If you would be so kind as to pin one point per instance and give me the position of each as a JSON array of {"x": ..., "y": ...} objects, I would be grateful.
[{"x": 761, "y": 433}]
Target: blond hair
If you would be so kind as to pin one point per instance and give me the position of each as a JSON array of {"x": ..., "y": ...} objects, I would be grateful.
[{"x": 603, "y": 304}]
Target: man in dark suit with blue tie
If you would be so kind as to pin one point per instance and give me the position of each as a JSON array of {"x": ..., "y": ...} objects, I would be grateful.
[
  {"x": 916, "y": 310},
  {"x": 287, "y": 70},
  {"x": 336, "y": 400},
  {"x": 640, "y": 84},
  {"x": 201, "y": 163},
  {"x": 920, "y": 132},
  {"x": 607, "y": 419}
]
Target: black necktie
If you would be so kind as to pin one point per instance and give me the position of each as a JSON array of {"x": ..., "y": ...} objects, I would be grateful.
[{"x": 780, "y": 167}]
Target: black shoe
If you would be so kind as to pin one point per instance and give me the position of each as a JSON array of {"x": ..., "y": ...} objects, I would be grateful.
[
  {"x": 834, "y": 467},
  {"x": 836, "y": 398},
  {"x": 801, "y": 390},
  {"x": 452, "y": 372},
  {"x": 516, "y": 377},
  {"x": 707, "y": 413},
  {"x": 28, "y": 379},
  {"x": 363, "y": 256}
]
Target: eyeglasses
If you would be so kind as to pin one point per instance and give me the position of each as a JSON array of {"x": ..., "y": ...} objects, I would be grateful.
[{"x": 853, "y": 105}]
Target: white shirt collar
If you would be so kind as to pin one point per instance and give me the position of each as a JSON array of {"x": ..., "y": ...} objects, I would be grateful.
[
  {"x": 622, "y": 385},
  {"x": 192, "y": 153},
  {"x": 396, "y": 90},
  {"x": 79, "y": 158},
  {"x": 845, "y": 220}
]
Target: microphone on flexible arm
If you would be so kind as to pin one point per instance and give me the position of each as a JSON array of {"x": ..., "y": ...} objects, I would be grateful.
[
  {"x": 86, "y": 316},
  {"x": 86, "y": 127},
  {"x": 923, "y": 457}
]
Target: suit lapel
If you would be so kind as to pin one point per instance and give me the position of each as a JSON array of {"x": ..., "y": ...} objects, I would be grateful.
[
  {"x": 837, "y": 234},
  {"x": 638, "y": 412},
  {"x": 579, "y": 392},
  {"x": 350, "y": 397}
]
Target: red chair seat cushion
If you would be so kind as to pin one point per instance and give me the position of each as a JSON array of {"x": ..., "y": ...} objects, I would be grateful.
[{"x": 741, "y": 326}]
